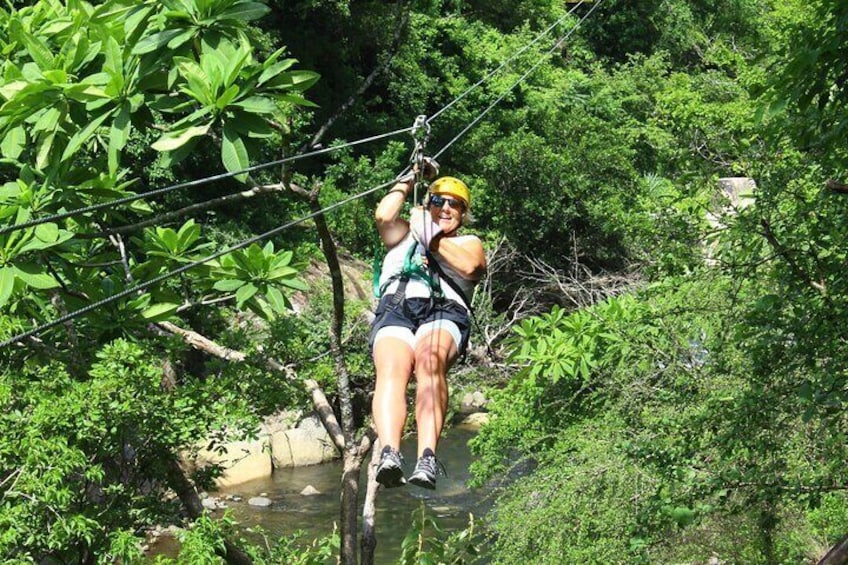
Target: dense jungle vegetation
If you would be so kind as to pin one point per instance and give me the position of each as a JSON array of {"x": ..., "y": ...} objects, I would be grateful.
[{"x": 670, "y": 382}]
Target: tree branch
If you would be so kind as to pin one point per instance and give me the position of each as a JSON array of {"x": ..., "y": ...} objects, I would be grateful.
[
  {"x": 190, "y": 209},
  {"x": 319, "y": 400},
  {"x": 401, "y": 18},
  {"x": 836, "y": 186},
  {"x": 783, "y": 252}
]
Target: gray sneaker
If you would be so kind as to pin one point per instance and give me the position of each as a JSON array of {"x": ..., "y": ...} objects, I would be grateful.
[
  {"x": 425, "y": 472},
  {"x": 390, "y": 469}
]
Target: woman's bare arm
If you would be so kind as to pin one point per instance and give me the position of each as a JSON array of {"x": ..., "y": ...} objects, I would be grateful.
[{"x": 391, "y": 227}]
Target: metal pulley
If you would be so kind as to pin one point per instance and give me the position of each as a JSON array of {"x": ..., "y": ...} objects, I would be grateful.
[{"x": 420, "y": 134}]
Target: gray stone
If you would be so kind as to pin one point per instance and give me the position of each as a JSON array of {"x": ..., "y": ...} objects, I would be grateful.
[
  {"x": 310, "y": 490},
  {"x": 209, "y": 503},
  {"x": 473, "y": 402},
  {"x": 260, "y": 501}
]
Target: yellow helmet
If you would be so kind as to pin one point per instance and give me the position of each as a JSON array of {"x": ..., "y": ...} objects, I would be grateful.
[{"x": 452, "y": 187}]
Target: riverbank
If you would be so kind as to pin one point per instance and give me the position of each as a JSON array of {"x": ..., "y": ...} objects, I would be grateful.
[{"x": 315, "y": 514}]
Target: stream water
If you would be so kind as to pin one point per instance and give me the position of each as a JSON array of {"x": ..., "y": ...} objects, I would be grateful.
[{"x": 315, "y": 515}]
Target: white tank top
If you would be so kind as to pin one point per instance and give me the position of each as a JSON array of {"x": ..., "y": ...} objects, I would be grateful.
[{"x": 417, "y": 288}]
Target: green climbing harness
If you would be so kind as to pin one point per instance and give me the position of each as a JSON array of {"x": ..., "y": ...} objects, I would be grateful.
[{"x": 416, "y": 265}]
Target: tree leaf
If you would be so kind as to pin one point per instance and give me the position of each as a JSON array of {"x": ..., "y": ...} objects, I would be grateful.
[
  {"x": 42, "y": 158},
  {"x": 276, "y": 299},
  {"x": 118, "y": 135},
  {"x": 257, "y": 105},
  {"x": 34, "y": 277},
  {"x": 274, "y": 70},
  {"x": 244, "y": 11},
  {"x": 47, "y": 233},
  {"x": 245, "y": 293},
  {"x": 304, "y": 79},
  {"x": 234, "y": 153},
  {"x": 298, "y": 100},
  {"x": 173, "y": 140},
  {"x": 7, "y": 284},
  {"x": 37, "y": 49},
  {"x": 296, "y": 284},
  {"x": 83, "y": 135},
  {"x": 188, "y": 234},
  {"x": 13, "y": 143},
  {"x": 228, "y": 285},
  {"x": 159, "y": 311},
  {"x": 156, "y": 41},
  {"x": 181, "y": 38},
  {"x": 227, "y": 97}
]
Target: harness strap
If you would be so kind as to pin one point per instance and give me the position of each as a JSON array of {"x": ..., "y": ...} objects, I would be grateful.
[
  {"x": 413, "y": 267},
  {"x": 439, "y": 272}
]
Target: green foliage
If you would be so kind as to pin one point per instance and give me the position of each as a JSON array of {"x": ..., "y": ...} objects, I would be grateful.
[
  {"x": 86, "y": 458},
  {"x": 703, "y": 415},
  {"x": 427, "y": 543},
  {"x": 203, "y": 542},
  {"x": 809, "y": 78},
  {"x": 256, "y": 275},
  {"x": 578, "y": 508},
  {"x": 80, "y": 86}
]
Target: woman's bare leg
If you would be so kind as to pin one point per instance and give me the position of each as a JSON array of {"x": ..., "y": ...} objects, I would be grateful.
[
  {"x": 393, "y": 361},
  {"x": 434, "y": 354}
]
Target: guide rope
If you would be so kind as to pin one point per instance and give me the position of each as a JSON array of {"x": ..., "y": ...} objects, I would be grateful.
[
  {"x": 505, "y": 63},
  {"x": 192, "y": 183},
  {"x": 188, "y": 266},
  {"x": 556, "y": 46}
]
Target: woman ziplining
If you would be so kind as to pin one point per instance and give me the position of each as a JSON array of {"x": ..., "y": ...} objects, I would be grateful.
[{"x": 422, "y": 322}]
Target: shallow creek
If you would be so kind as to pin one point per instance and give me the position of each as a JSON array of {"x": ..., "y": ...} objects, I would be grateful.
[{"x": 451, "y": 502}]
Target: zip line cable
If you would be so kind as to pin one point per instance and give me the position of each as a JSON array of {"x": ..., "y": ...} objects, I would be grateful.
[
  {"x": 187, "y": 267},
  {"x": 195, "y": 182},
  {"x": 556, "y": 46},
  {"x": 222, "y": 176},
  {"x": 147, "y": 284},
  {"x": 505, "y": 63}
]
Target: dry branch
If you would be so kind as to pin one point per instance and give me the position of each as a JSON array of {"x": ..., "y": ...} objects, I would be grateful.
[{"x": 319, "y": 400}]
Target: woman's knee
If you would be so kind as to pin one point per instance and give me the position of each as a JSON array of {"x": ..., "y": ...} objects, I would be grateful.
[{"x": 431, "y": 362}]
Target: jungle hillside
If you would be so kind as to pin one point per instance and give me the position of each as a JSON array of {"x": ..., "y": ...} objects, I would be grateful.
[{"x": 661, "y": 188}]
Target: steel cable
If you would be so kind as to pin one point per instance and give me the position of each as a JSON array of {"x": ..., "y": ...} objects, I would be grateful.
[
  {"x": 505, "y": 63},
  {"x": 195, "y": 182},
  {"x": 160, "y": 278}
]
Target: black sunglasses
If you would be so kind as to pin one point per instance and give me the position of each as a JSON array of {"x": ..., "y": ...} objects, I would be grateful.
[{"x": 439, "y": 201}]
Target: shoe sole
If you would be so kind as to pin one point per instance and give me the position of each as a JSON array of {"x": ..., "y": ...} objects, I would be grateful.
[
  {"x": 391, "y": 477},
  {"x": 422, "y": 482}
]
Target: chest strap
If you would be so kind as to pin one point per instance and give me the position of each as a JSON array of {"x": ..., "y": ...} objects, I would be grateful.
[{"x": 415, "y": 265}]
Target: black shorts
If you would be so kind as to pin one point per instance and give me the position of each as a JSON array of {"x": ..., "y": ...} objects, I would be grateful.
[{"x": 412, "y": 313}]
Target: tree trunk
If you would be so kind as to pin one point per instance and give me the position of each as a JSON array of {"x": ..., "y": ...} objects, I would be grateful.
[
  {"x": 369, "y": 510},
  {"x": 838, "y": 554},
  {"x": 187, "y": 494},
  {"x": 349, "y": 499},
  {"x": 352, "y": 456}
]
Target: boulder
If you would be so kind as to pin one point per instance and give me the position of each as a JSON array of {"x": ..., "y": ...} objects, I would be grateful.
[
  {"x": 241, "y": 461},
  {"x": 474, "y": 421},
  {"x": 307, "y": 444}
]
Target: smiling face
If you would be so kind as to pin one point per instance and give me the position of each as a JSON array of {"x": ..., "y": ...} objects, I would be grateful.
[{"x": 447, "y": 212}]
